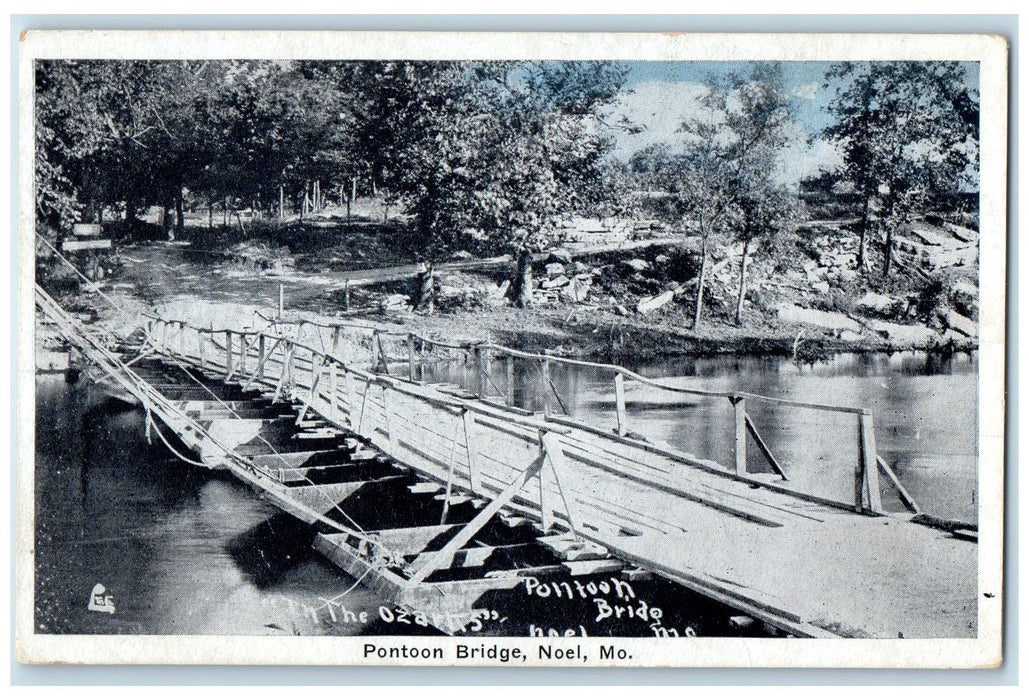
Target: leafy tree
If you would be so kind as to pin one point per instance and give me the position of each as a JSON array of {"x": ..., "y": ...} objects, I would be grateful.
[
  {"x": 769, "y": 212},
  {"x": 908, "y": 132},
  {"x": 721, "y": 181}
]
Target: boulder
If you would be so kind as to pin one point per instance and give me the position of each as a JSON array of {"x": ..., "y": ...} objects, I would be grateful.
[
  {"x": 559, "y": 255},
  {"x": 965, "y": 326},
  {"x": 831, "y": 320},
  {"x": 880, "y": 304},
  {"x": 637, "y": 264},
  {"x": 555, "y": 269},
  {"x": 912, "y": 336},
  {"x": 965, "y": 297},
  {"x": 821, "y": 287},
  {"x": 578, "y": 290},
  {"x": 501, "y": 290},
  {"x": 655, "y": 302},
  {"x": 555, "y": 283}
]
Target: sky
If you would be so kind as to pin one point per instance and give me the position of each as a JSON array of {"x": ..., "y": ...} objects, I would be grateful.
[{"x": 661, "y": 93}]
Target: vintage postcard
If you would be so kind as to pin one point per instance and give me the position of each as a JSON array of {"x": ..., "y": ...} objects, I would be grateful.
[{"x": 511, "y": 349}]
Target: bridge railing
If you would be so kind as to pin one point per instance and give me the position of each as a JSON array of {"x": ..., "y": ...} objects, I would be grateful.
[{"x": 302, "y": 354}]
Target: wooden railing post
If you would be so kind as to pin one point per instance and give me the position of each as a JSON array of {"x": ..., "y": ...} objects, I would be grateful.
[
  {"x": 260, "y": 352},
  {"x": 228, "y": 353},
  {"x": 202, "y": 348},
  {"x": 485, "y": 371},
  {"x": 410, "y": 356},
  {"x": 620, "y": 403},
  {"x": 509, "y": 372},
  {"x": 545, "y": 371},
  {"x": 740, "y": 413},
  {"x": 477, "y": 361},
  {"x": 869, "y": 483}
]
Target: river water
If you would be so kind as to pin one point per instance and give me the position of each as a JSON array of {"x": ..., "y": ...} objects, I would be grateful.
[{"x": 181, "y": 551}]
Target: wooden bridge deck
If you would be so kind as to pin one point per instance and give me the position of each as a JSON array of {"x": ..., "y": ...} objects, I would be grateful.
[{"x": 806, "y": 565}]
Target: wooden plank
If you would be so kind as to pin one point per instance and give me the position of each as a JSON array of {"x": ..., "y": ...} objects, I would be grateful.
[
  {"x": 71, "y": 245},
  {"x": 740, "y": 415},
  {"x": 426, "y": 564},
  {"x": 762, "y": 447},
  {"x": 902, "y": 494},
  {"x": 620, "y": 415},
  {"x": 869, "y": 468},
  {"x": 593, "y": 566}
]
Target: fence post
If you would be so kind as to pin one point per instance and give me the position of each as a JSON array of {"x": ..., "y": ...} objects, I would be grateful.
[
  {"x": 201, "y": 348},
  {"x": 410, "y": 356},
  {"x": 545, "y": 370},
  {"x": 261, "y": 358},
  {"x": 509, "y": 370},
  {"x": 740, "y": 412},
  {"x": 620, "y": 403},
  {"x": 282, "y": 301},
  {"x": 485, "y": 371},
  {"x": 228, "y": 353},
  {"x": 869, "y": 466}
]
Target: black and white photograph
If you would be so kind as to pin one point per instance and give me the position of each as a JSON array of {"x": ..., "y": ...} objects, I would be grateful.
[{"x": 458, "y": 349}]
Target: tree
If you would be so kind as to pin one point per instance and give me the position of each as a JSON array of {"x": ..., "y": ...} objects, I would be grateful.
[
  {"x": 721, "y": 179},
  {"x": 908, "y": 131},
  {"x": 477, "y": 151},
  {"x": 768, "y": 213}
]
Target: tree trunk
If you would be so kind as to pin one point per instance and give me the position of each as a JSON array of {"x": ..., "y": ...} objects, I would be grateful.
[
  {"x": 743, "y": 283},
  {"x": 180, "y": 216},
  {"x": 210, "y": 215},
  {"x": 700, "y": 282},
  {"x": 426, "y": 290},
  {"x": 525, "y": 278},
  {"x": 887, "y": 264},
  {"x": 862, "y": 261}
]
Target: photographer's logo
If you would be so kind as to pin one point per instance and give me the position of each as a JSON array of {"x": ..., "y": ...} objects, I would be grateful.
[{"x": 100, "y": 602}]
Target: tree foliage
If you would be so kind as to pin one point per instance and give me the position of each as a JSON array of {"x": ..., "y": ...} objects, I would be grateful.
[
  {"x": 476, "y": 152},
  {"x": 908, "y": 132},
  {"x": 720, "y": 182}
]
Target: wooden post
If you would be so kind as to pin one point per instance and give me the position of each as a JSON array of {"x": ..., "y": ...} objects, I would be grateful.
[
  {"x": 410, "y": 356},
  {"x": 263, "y": 370},
  {"x": 244, "y": 348},
  {"x": 509, "y": 371},
  {"x": 228, "y": 354},
  {"x": 282, "y": 202},
  {"x": 282, "y": 301},
  {"x": 620, "y": 403},
  {"x": 201, "y": 348},
  {"x": 545, "y": 371},
  {"x": 869, "y": 466},
  {"x": 486, "y": 371},
  {"x": 740, "y": 412},
  {"x": 346, "y": 295},
  {"x": 477, "y": 359}
]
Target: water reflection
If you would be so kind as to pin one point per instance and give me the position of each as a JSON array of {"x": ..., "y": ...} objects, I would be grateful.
[{"x": 924, "y": 408}]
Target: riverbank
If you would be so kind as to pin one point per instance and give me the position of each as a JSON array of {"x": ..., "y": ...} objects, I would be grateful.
[{"x": 626, "y": 303}]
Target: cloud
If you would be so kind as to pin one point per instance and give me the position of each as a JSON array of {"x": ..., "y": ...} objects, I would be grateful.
[{"x": 806, "y": 91}]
